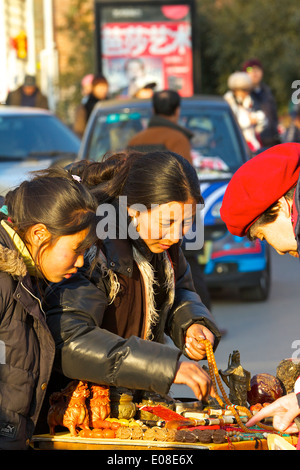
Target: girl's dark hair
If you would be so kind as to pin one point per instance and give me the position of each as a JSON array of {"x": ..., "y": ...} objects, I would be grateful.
[
  {"x": 54, "y": 198},
  {"x": 270, "y": 215},
  {"x": 156, "y": 177}
]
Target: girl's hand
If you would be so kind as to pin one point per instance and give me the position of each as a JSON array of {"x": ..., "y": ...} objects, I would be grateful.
[
  {"x": 195, "y": 349},
  {"x": 192, "y": 375}
]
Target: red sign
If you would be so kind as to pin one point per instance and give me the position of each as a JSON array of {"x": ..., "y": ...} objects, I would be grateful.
[{"x": 137, "y": 53}]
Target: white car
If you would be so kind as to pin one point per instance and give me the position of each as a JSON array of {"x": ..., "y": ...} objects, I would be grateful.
[{"x": 31, "y": 139}]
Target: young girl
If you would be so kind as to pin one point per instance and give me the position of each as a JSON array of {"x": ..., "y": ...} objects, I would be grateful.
[
  {"x": 46, "y": 225},
  {"x": 111, "y": 330}
]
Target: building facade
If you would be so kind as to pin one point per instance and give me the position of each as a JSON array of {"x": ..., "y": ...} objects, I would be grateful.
[{"x": 27, "y": 46}]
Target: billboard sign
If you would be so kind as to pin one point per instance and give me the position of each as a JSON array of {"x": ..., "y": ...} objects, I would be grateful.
[{"x": 142, "y": 43}]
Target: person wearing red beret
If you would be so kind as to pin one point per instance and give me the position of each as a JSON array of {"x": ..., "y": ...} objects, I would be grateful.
[{"x": 262, "y": 200}]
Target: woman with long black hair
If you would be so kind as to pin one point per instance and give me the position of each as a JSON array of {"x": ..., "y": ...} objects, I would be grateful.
[{"x": 110, "y": 328}]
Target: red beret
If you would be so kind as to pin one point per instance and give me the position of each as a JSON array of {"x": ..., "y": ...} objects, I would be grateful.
[{"x": 258, "y": 184}]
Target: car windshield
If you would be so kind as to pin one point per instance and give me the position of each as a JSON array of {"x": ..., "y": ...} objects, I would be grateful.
[
  {"x": 23, "y": 136},
  {"x": 216, "y": 148}
]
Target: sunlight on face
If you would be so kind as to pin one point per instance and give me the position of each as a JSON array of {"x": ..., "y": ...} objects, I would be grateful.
[
  {"x": 165, "y": 224},
  {"x": 280, "y": 235}
]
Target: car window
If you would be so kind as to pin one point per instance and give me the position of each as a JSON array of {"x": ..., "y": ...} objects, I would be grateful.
[
  {"x": 112, "y": 132},
  {"x": 21, "y": 136},
  {"x": 216, "y": 147}
]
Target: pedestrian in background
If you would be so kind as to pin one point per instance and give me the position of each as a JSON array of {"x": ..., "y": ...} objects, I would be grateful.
[
  {"x": 163, "y": 131},
  {"x": 292, "y": 133},
  {"x": 263, "y": 100},
  {"x": 86, "y": 86},
  {"x": 27, "y": 95},
  {"x": 146, "y": 91},
  {"x": 99, "y": 93},
  {"x": 251, "y": 121}
]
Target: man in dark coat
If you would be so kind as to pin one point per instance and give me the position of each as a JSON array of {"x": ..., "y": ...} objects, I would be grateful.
[
  {"x": 163, "y": 131},
  {"x": 263, "y": 100},
  {"x": 27, "y": 95}
]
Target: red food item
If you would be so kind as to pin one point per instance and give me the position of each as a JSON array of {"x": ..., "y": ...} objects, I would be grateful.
[
  {"x": 265, "y": 388},
  {"x": 103, "y": 424}
]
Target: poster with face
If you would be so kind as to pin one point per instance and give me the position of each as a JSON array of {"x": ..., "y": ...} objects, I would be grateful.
[{"x": 147, "y": 46}]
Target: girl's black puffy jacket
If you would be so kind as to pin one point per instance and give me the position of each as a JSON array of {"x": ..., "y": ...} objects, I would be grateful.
[{"x": 26, "y": 350}]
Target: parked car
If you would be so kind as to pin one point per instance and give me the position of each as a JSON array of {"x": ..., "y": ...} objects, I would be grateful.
[
  {"x": 32, "y": 139},
  {"x": 218, "y": 150}
]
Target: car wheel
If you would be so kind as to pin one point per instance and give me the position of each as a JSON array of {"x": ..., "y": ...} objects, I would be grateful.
[{"x": 261, "y": 291}]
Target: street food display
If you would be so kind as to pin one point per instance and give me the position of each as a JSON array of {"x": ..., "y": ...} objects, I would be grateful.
[{"x": 97, "y": 412}]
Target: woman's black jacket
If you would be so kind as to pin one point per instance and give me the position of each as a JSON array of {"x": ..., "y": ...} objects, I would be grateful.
[{"x": 75, "y": 310}]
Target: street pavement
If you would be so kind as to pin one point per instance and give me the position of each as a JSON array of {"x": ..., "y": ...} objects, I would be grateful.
[{"x": 263, "y": 332}]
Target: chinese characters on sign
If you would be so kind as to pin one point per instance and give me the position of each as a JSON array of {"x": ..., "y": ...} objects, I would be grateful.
[{"x": 138, "y": 52}]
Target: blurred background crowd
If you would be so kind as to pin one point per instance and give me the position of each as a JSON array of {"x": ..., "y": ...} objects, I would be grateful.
[{"x": 54, "y": 44}]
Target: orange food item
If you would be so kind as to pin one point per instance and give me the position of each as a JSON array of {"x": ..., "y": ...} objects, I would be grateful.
[
  {"x": 115, "y": 425},
  {"x": 109, "y": 433},
  {"x": 85, "y": 433},
  {"x": 97, "y": 433}
]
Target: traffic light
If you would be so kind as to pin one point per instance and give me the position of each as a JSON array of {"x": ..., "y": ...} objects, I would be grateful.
[{"x": 19, "y": 43}]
